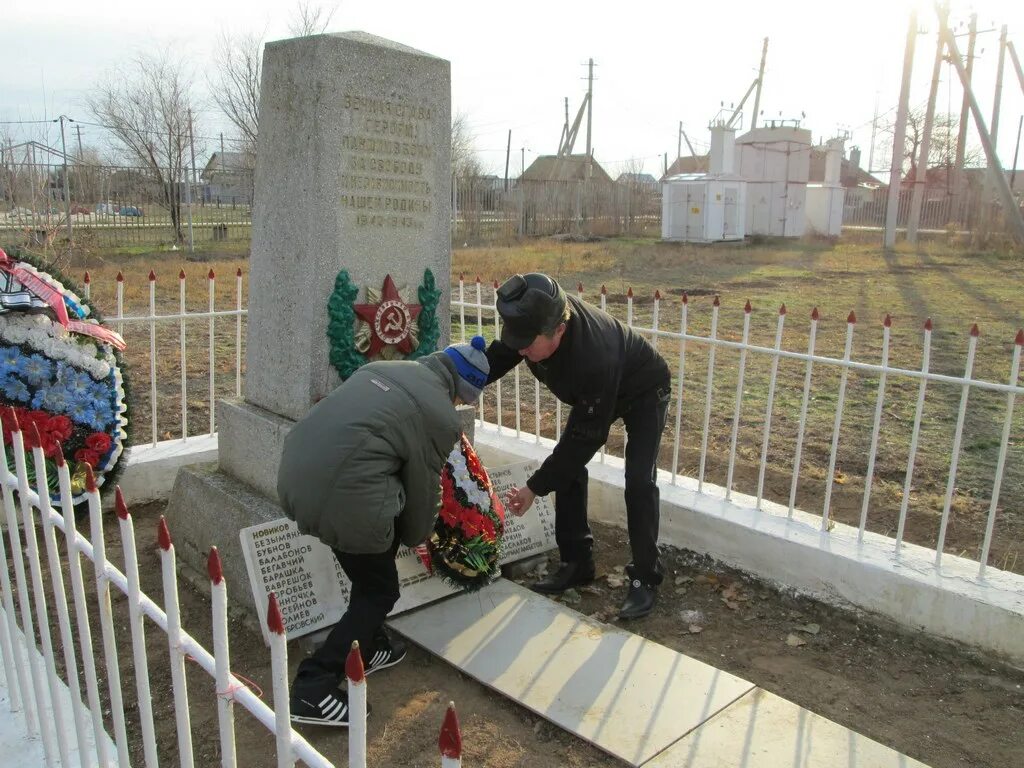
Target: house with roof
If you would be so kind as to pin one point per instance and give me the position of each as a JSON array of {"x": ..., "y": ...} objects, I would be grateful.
[
  {"x": 565, "y": 168},
  {"x": 228, "y": 178}
]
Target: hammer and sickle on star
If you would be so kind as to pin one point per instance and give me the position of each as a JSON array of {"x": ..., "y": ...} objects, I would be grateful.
[{"x": 393, "y": 321}]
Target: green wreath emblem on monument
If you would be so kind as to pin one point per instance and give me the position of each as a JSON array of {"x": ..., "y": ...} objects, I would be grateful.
[{"x": 417, "y": 327}]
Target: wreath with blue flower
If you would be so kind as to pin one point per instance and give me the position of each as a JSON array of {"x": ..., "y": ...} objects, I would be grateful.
[{"x": 60, "y": 377}]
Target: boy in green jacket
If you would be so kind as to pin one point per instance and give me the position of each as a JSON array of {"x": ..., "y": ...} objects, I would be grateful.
[{"x": 361, "y": 472}]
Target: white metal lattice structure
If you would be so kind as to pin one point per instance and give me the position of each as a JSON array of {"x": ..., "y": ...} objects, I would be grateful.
[
  {"x": 812, "y": 361},
  {"x": 156, "y": 323},
  {"x": 35, "y": 683}
]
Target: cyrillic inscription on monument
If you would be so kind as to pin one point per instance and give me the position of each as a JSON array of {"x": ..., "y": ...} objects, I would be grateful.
[{"x": 385, "y": 148}]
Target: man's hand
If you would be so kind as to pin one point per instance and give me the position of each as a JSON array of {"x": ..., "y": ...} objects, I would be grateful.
[{"x": 520, "y": 500}]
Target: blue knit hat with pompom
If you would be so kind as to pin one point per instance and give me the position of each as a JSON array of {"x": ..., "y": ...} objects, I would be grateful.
[{"x": 472, "y": 367}]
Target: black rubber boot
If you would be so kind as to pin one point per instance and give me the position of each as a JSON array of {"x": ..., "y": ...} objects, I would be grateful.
[
  {"x": 574, "y": 574},
  {"x": 640, "y": 600}
]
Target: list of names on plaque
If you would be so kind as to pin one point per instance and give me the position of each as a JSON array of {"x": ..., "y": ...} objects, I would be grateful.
[{"x": 532, "y": 533}]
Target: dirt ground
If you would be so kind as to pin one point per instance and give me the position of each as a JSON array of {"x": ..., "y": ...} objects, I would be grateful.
[{"x": 927, "y": 699}]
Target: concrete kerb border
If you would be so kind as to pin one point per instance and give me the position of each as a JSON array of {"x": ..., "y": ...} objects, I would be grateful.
[
  {"x": 952, "y": 604},
  {"x": 833, "y": 567}
]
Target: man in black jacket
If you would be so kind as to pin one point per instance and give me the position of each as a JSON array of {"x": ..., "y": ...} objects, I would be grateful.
[{"x": 605, "y": 371}]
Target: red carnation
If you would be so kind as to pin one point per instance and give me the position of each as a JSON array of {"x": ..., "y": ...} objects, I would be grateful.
[
  {"x": 99, "y": 442},
  {"x": 59, "y": 427},
  {"x": 87, "y": 456}
]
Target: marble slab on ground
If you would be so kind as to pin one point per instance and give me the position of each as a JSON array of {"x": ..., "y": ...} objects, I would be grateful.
[
  {"x": 630, "y": 697},
  {"x": 762, "y": 729}
]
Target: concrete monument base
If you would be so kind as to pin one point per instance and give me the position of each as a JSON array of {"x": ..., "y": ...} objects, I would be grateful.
[{"x": 211, "y": 503}]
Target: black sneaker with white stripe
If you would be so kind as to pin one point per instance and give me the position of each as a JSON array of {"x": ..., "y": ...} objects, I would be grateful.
[
  {"x": 387, "y": 652},
  {"x": 330, "y": 709}
]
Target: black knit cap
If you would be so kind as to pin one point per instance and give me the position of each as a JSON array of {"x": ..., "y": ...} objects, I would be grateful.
[{"x": 529, "y": 305}]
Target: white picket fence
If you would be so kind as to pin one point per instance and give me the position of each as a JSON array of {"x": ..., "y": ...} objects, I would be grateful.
[
  {"x": 179, "y": 320},
  {"x": 480, "y": 305},
  {"x": 474, "y": 305},
  {"x": 35, "y": 685}
]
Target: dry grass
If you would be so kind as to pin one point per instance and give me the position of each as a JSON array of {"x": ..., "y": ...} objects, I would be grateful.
[{"x": 953, "y": 286}]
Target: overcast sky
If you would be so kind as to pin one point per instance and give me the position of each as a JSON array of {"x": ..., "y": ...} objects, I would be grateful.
[{"x": 656, "y": 63}]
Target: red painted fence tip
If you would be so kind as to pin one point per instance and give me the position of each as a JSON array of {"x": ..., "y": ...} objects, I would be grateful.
[
  {"x": 275, "y": 622},
  {"x": 90, "y": 479},
  {"x": 120, "y": 277},
  {"x": 717, "y": 302},
  {"x": 210, "y": 275},
  {"x": 462, "y": 277},
  {"x": 450, "y": 740},
  {"x": 851, "y": 318},
  {"x": 238, "y": 272},
  {"x": 747, "y": 308},
  {"x": 354, "y": 664},
  {"x": 782, "y": 309},
  {"x": 13, "y": 416},
  {"x": 657, "y": 295},
  {"x": 686, "y": 299},
  {"x": 579, "y": 287},
  {"x": 604, "y": 290},
  {"x": 478, "y": 278},
  {"x": 928, "y": 324},
  {"x": 495, "y": 284},
  {"x": 815, "y": 315},
  {"x": 86, "y": 279},
  {"x": 213, "y": 566},
  {"x": 181, "y": 274},
  {"x": 60, "y": 455},
  {"x": 888, "y": 321},
  {"x": 1019, "y": 341},
  {"x": 37, "y": 439},
  {"x": 629, "y": 292},
  {"x": 152, "y": 276},
  {"x": 163, "y": 536},
  {"x": 119, "y": 505},
  {"x": 974, "y": 331}
]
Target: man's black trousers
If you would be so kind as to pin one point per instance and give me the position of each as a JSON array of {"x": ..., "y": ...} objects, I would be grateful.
[
  {"x": 374, "y": 593},
  {"x": 644, "y": 419}
]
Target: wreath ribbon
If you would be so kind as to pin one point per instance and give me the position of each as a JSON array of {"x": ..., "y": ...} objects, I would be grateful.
[{"x": 55, "y": 300}]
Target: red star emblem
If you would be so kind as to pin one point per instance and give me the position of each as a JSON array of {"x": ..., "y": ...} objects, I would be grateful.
[{"x": 390, "y": 320}]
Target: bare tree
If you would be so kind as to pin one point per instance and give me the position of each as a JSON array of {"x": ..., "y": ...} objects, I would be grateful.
[
  {"x": 311, "y": 19},
  {"x": 147, "y": 111},
  {"x": 239, "y": 62},
  {"x": 941, "y": 147},
  {"x": 465, "y": 162}
]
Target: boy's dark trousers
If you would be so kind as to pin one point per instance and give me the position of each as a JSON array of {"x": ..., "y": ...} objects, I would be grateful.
[
  {"x": 374, "y": 593},
  {"x": 644, "y": 419}
]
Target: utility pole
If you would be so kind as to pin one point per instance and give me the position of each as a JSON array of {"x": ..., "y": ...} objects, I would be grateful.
[
  {"x": 760, "y": 82},
  {"x": 1016, "y": 151},
  {"x": 999, "y": 86},
  {"x": 522, "y": 162},
  {"x": 896, "y": 165},
  {"x": 679, "y": 141},
  {"x": 188, "y": 185},
  {"x": 1017, "y": 146},
  {"x": 222, "y": 150},
  {"x": 961, "y": 138},
  {"x": 508, "y": 151},
  {"x": 67, "y": 193},
  {"x": 921, "y": 167},
  {"x": 590, "y": 113},
  {"x": 1010, "y": 209},
  {"x": 78, "y": 130}
]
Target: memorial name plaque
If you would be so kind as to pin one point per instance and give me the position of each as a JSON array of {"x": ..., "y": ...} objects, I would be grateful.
[
  {"x": 311, "y": 588},
  {"x": 534, "y": 532}
]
